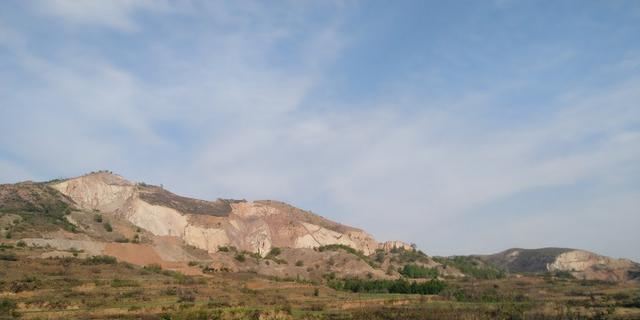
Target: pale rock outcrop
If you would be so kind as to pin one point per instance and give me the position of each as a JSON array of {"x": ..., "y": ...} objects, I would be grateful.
[
  {"x": 588, "y": 265},
  {"x": 576, "y": 260},
  {"x": 209, "y": 239},
  {"x": 100, "y": 191},
  {"x": 395, "y": 244},
  {"x": 159, "y": 220}
]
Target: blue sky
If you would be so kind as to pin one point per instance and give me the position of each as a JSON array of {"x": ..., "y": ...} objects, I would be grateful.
[{"x": 465, "y": 126}]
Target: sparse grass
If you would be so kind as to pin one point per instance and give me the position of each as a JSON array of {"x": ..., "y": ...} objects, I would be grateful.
[
  {"x": 472, "y": 267},
  {"x": 100, "y": 287},
  {"x": 359, "y": 254}
]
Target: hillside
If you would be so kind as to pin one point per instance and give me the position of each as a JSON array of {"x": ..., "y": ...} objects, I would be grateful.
[{"x": 577, "y": 263}]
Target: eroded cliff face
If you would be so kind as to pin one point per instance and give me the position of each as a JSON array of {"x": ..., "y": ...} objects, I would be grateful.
[
  {"x": 97, "y": 191},
  {"x": 588, "y": 265},
  {"x": 252, "y": 226}
]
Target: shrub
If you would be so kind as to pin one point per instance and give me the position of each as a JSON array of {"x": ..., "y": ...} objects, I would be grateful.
[
  {"x": 26, "y": 284},
  {"x": 564, "y": 275},
  {"x": 8, "y": 257},
  {"x": 154, "y": 267},
  {"x": 275, "y": 251},
  {"x": 8, "y": 307},
  {"x": 100, "y": 260},
  {"x": 223, "y": 249},
  {"x": 108, "y": 227},
  {"x": 122, "y": 240},
  {"x": 97, "y": 218},
  {"x": 299, "y": 263},
  {"x": 21, "y": 244},
  {"x": 240, "y": 257},
  {"x": 193, "y": 263},
  {"x": 120, "y": 283}
]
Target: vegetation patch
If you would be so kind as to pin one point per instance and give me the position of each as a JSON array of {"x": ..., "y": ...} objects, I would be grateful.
[
  {"x": 416, "y": 271},
  {"x": 389, "y": 286},
  {"x": 472, "y": 267},
  {"x": 359, "y": 254}
]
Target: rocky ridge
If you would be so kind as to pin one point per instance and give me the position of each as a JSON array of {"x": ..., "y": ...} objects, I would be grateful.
[{"x": 255, "y": 226}]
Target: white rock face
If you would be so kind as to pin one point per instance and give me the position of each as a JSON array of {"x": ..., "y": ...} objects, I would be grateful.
[
  {"x": 395, "y": 244},
  {"x": 159, "y": 220},
  {"x": 588, "y": 265},
  {"x": 206, "y": 238},
  {"x": 576, "y": 261},
  {"x": 101, "y": 191},
  {"x": 251, "y": 226}
]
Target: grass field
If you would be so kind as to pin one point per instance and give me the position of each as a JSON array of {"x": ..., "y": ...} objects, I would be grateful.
[{"x": 101, "y": 288}]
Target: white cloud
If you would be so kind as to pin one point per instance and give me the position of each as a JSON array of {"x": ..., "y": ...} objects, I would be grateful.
[{"x": 116, "y": 14}]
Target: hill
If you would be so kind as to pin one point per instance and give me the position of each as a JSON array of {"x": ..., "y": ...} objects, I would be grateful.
[{"x": 571, "y": 262}]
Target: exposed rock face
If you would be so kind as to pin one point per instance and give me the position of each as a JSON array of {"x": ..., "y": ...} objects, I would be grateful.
[
  {"x": 395, "y": 244},
  {"x": 253, "y": 226},
  {"x": 588, "y": 265},
  {"x": 581, "y": 264},
  {"x": 98, "y": 191}
]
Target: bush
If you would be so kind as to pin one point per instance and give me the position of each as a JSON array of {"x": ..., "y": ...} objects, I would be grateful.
[
  {"x": 275, "y": 251},
  {"x": 21, "y": 244},
  {"x": 154, "y": 267},
  {"x": 564, "y": 275},
  {"x": 8, "y": 257},
  {"x": 299, "y": 263},
  {"x": 26, "y": 284},
  {"x": 8, "y": 307},
  {"x": 240, "y": 257},
  {"x": 223, "y": 249},
  {"x": 108, "y": 227},
  {"x": 97, "y": 218},
  {"x": 120, "y": 283},
  {"x": 100, "y": 260}
]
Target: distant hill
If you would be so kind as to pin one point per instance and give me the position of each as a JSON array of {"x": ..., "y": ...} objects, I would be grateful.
[{"x": 576, "y": 263}]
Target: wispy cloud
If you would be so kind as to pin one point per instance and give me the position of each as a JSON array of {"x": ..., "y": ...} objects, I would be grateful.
[{"x": 116, "y": 14}]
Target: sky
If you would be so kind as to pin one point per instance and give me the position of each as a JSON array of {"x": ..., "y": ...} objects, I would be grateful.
[{"x": 461, "y": 126}]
